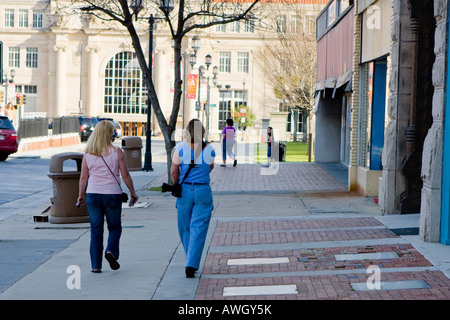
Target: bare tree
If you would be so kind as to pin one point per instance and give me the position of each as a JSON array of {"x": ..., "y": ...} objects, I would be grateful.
[
  {"x": 185, "y": 17},
  {"x": 288, "y": 58}
]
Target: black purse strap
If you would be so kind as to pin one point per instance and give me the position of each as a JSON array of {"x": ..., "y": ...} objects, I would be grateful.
[{"x": 112, "y": 173}]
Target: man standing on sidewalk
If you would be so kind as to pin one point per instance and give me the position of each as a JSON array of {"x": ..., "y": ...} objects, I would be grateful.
[{"x": 228, "y": 141}]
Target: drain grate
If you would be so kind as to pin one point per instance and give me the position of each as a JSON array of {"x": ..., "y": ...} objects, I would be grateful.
[{"x": 406, "y": 231}]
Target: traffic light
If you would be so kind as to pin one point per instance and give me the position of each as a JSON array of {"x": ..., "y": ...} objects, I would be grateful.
[
  {"x": 1, "y": 96},
  {"x": 24, "y": 99}
]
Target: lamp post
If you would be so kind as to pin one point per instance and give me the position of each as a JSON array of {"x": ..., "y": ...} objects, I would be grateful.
[
  {"x": 227, "y": 86},
  {"x": 201, "y": 70},
  {"x": 201, "y": 73},
  {"x": 192, "y": 61},
  {"x": 148, "y": 132},
  {"x": 208, "y": 61},
  {"x": 166, "y": 6}
]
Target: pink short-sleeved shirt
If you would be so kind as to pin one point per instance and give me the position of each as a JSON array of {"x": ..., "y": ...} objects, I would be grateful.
[{"x": 100, "y": 178}]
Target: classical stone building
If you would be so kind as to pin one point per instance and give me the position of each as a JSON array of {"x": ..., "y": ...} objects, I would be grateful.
[{"x": 67, "y": 64}]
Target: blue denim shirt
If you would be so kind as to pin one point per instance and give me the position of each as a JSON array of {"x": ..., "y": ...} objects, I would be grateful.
[{"x": 199, "y": 173}]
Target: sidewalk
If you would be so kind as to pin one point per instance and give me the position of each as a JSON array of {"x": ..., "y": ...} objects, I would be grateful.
[{"x": 295, "y": 234}]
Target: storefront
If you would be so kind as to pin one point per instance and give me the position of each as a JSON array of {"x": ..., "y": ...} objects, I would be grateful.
[
  {"x": 372, "y": 99},
  {"x": 333, "y": 84}
]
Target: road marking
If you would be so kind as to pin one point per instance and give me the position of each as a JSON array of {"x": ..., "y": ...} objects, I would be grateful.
[
  {"x": 366, "y": 256},
  {"x": 259, "y": 290},
  {"x": 251, "y": 261}
]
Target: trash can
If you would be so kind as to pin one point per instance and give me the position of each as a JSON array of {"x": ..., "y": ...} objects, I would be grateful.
[
  {"x": 282, "y": 152},
  {"x": 131, "y": 147},
  {"x": 65, "y": 190}
]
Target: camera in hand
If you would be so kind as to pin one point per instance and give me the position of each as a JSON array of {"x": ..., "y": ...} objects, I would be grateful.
[{"x": 174, "y": 189}]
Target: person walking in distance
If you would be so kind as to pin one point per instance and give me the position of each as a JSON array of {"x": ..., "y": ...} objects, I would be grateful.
[
  {"x": 100, "y": 190},
  {"x": 270, "y": 141},
  {"x": 192, "y": 162},
  {"x": 11, "y": 114},
  {"x": 228, "y": 141}
]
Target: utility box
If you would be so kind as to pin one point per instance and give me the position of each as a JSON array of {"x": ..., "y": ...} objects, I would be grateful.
[
  {"x": 132, "y": 150},
  {"x": 65, "y": 190}
]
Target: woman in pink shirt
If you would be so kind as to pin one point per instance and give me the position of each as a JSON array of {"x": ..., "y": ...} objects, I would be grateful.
[{"x": 100, "y": 190}]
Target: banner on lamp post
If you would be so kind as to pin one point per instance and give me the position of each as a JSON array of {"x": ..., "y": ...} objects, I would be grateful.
[{"x": 191, "y": 91}]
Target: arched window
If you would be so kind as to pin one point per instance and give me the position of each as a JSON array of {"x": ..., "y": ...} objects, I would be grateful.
[{"x": 125, "y": 91}]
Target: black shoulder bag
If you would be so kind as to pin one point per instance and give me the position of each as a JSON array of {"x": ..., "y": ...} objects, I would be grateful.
[
  {"x": 176, "y": 188},
  {"x": 124, "y": 194}
]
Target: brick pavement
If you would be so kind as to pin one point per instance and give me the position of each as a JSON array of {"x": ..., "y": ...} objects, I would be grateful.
[
  {"x": 308, "y": 240},
  {"x": 315, "y": 271},
  {"x": 254, "y": 177}
]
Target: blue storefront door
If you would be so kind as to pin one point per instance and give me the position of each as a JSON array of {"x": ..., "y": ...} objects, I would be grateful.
[{"x": 378, "y": 113}]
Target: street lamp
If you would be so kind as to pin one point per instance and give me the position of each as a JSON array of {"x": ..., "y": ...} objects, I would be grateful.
[
  {"x": 192, "y": 59},
  {"x": 208, "y": 59},
  {"x": 196, "y": 42},
  {"x": 166, "y": 6},
  {"x": 201, "y": 71}
]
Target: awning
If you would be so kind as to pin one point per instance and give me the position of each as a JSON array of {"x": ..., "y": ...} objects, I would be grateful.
[{"x": 336, "y": 83}]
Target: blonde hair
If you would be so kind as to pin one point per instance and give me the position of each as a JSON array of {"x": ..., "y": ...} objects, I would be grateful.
[{"x": 100, "y": 139}]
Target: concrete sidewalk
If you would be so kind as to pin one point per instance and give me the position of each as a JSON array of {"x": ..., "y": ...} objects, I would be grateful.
[{"x": 296, "y": 221}]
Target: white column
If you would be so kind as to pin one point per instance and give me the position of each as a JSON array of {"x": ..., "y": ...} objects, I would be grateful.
[
  {"x": 93, "y": 106},
  {"x": 60, "y": 88}
]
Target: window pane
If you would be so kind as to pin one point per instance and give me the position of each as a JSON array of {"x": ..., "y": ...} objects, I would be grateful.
[
  {"x": 249, "y": 26},
  {"x": 123, "y": 85},
  {"x": 235, "y": 26},
  {"x": 224, "y": 61},
  {"x": 37, "y": 19},
  {"x": 9, "y": 18},
  {"x": 14, "y": 57},
  {"x": 23, "y": 18},
  {"x": 281, "y": 24},
  {"x": 242, "y": 62},
  {"x": 32, "y": 58}
]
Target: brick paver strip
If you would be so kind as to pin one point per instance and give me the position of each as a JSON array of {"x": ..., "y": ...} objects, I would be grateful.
[
  {"x": 276, "y": 237},
  {"x": 314, "y": 260},
  {"x": 294, "y": 224},
  {"x": 331, "y": 287}
]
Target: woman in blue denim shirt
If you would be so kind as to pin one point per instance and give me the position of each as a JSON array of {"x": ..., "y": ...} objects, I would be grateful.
[{"x": 194, "y": 207}]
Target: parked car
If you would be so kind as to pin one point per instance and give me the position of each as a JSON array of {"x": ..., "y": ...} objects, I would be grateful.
[
  {"x": 8, "y": 138},
  {"x": 87, "y": 125},
  {"x": 118, "y": 129}
]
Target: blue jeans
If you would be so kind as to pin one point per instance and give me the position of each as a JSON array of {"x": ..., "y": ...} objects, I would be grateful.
[
  {"x": 99, "y": 206},
  {"x": 194, "y": 210}
]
